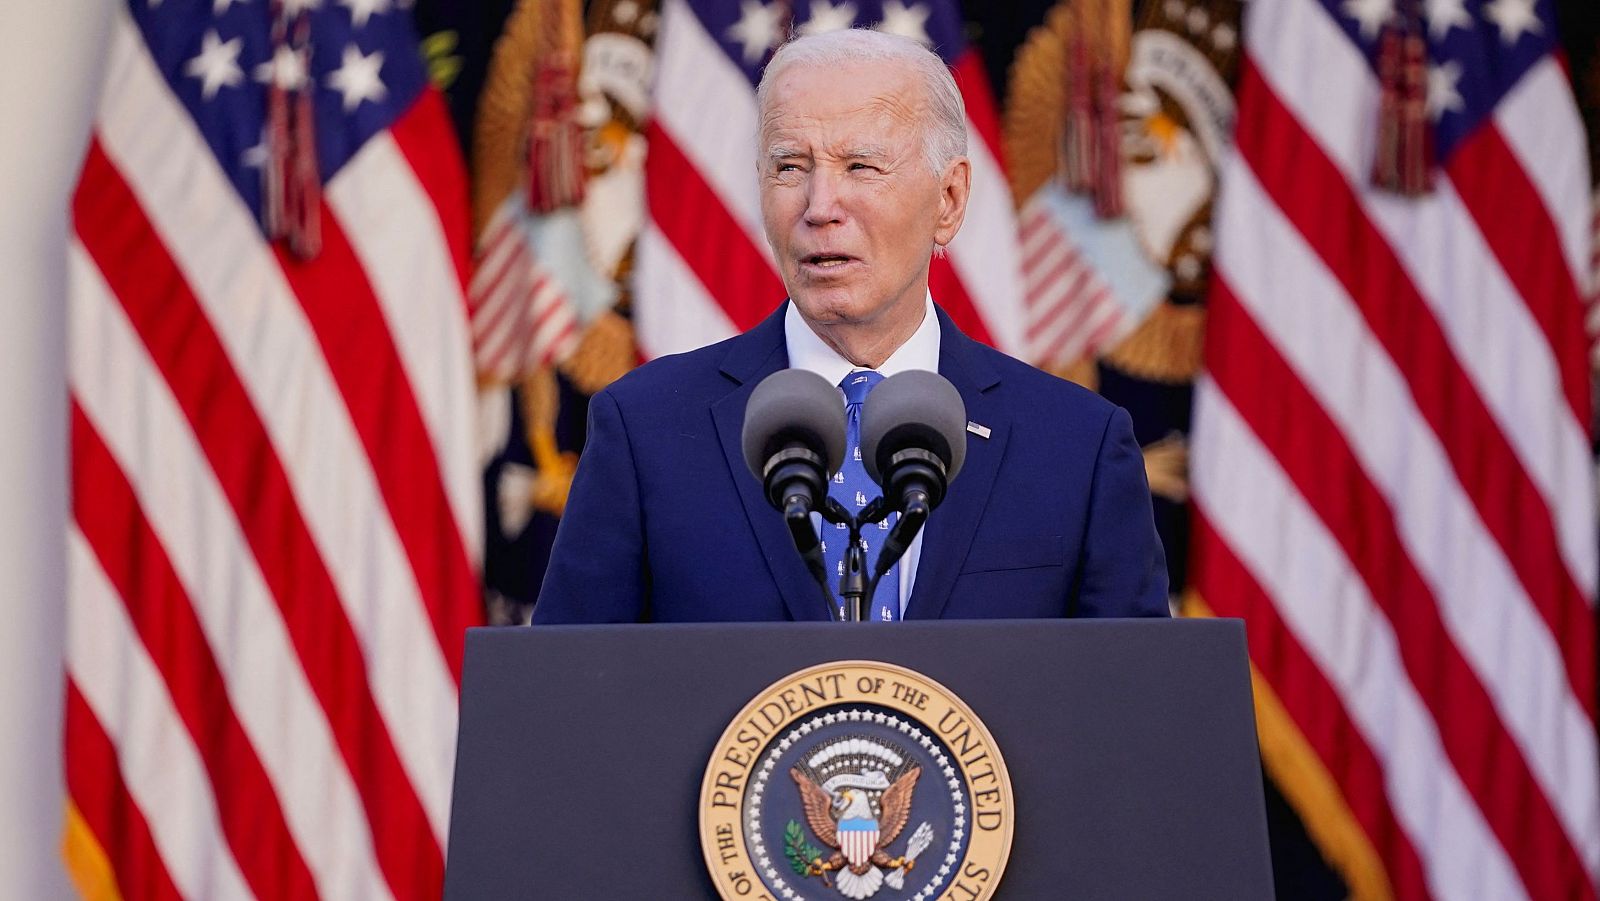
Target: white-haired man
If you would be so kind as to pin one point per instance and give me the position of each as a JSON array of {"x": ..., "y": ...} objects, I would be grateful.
[{"x": 863, "y": 176}]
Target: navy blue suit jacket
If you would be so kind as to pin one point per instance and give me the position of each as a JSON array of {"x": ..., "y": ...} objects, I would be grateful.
[{"x": 1049, "y": 517}]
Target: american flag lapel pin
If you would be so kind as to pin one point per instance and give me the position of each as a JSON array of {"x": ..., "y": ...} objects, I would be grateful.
[{"x": 982, "y": 431}]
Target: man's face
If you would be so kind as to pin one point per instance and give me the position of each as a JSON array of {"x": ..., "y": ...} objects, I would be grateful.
[{"x": 851, "y": 208}]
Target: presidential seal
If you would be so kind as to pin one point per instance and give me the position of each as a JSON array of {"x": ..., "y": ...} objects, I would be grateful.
[{"x": 857, "y": 780}]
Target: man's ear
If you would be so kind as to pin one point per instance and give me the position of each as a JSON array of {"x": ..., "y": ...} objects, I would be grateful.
[{"x": 954, "y": 187}]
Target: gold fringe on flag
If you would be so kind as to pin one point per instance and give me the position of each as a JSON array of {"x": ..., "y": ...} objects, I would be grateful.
[
  {"x": 1310, "y": 789},
  {"x": 86, "y": 860}
]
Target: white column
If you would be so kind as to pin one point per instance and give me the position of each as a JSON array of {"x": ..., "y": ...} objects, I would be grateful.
[{"x": 50, "y": 68}]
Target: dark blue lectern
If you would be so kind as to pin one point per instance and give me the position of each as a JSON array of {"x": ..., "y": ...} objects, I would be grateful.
[{"x": 1130, "y": 745}]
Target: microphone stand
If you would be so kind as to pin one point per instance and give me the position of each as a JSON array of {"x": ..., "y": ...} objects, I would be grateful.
[
  {"x": 852, "y": 584},
  {"x": 900, "y": 537},
  {"x": 797, "y": 515},
  {"x": 856, "y": 586}
]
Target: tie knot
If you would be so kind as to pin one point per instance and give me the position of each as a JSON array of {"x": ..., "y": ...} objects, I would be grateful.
[{"x": 856, "y": 385}]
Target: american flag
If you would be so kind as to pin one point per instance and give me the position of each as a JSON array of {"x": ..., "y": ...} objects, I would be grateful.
[
  {"x": 275, "y": 516},
  {"x": 704, "y": 271},
  {"x": 1391, "y": 465}
]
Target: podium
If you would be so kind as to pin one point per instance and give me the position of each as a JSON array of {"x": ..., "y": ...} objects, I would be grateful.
[{"x": 1130, "y": 746}]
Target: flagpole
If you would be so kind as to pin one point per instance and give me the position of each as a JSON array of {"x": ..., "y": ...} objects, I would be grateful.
[{"x": 49, "y": 68}]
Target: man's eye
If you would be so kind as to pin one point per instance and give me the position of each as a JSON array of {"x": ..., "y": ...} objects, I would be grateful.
[{"x": 788, "y": 167}]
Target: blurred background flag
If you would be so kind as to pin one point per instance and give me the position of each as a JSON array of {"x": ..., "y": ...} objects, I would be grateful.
[
  {"x": 1087, "y": 279},
  {"x": 275, "y": 509},
  {"x": 1113, "y": 138},
  {"x": 1391, "y": 466},
  {"x": 549, "y": 98},
  {"x": 704, "y": 269},
  {"x": 535, "y": 285}
]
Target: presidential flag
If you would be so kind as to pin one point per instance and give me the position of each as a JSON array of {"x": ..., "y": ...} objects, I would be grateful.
[
  {"x": 703, "y": 268},
  {"x": 275, "y": 518},
  {"x": 1392, "y": 477}
]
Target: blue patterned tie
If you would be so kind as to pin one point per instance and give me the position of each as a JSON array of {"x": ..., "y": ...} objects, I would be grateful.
[{"x": 853, "y": 488}]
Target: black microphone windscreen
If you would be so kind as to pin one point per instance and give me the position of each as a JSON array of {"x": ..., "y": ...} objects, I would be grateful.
[
  {"x": 916, "y": 408},
  {"x": 793, "y": 405}
]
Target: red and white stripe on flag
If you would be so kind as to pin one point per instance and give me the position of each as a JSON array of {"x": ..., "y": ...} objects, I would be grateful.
[
  {"x": 1391, "y": 468},
  {"x": 703, "y": 269},
  {"x": 275, "y": 520}
]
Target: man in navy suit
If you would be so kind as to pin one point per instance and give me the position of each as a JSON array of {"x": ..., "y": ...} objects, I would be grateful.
[{"x": 863, "y": 171}]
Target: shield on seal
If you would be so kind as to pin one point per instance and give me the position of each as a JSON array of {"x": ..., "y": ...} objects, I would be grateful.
[{"x": 858, "y": 838}]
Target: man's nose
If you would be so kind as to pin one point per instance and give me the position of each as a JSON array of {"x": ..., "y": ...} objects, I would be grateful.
[{"x": 823, "y": 196}]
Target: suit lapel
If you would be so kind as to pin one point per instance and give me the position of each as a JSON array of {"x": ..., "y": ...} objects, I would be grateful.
[
  {"x": 948, "y": 535},
  {"x": 751, "y": 358}
]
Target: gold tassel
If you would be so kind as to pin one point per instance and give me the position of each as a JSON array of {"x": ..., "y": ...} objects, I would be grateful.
[
  {"x": 555, "y": 139},
  {"x": 537, "y": 34},
  {"x": 1404, "y": 161},
  {"x": 1114, "y": 37},
  {"x": 291, "y": 180},
  {"x": 1077, "y": 142},
  {"x": 1091, "y": 141}
]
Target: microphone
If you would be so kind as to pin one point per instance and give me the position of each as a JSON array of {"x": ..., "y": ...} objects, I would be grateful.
[
  {"x": 913, "y": 442},
  {"x": 914, "y": 439},
  {"x": 793, "y": 437}
]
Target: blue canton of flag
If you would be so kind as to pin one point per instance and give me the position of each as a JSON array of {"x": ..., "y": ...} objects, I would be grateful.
[
  {"x": 749, "y": 31},
  {"x": 359, "y": 63},
  {"x": 1477, "y": 52},
  {"x": 936, "y": 25}
]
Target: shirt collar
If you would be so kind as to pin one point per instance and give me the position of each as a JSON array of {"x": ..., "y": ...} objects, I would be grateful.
[{"x": 807, "y": 351}]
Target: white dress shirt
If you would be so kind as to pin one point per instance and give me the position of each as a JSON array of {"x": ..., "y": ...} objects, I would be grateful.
[{"x": 921, "y": 351}]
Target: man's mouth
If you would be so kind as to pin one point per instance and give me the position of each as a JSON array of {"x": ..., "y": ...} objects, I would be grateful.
[{"x": 826, "y": 260}]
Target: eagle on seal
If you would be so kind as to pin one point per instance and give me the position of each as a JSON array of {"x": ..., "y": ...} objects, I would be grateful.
[{"x": 845, "y": 822}]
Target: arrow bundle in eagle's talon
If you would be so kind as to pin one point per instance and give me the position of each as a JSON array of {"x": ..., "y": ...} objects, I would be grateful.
[{"x": 920, "y": 840}]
